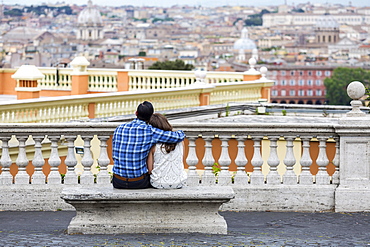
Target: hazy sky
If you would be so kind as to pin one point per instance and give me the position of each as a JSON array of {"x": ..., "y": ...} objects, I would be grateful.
[{"x": 167, "y": 3}]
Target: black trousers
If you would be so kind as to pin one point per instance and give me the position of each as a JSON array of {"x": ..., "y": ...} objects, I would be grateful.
[{"x": 140, "y": 184}]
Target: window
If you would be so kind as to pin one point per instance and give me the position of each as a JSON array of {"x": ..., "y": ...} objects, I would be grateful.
[
  {"x": 292, "y": 82},
  {"x": 291, "y": 72},
  {"x": 300, "y": 92},
  {"x": 274, "y": 92},
  {"x": 318, "y": 73},
  {"x": 318, "y": 82},
  {"x": 276, "y": 83},
  {"x": 283, "y": 82},
  {"x": 309, "y": 82},
  {"x": 327, "y": 73},
  {"x": 318, "y": 92},
  {"x": 309, "y": 72},
  {"x": 292, "y": 93},
  {"x": 283, "y": 72},
  {"x": 274, "y": 73},
  {"x": 283, "y": 92},
  {"x": 309, "y": 92},
  {"x": 300, "y": 73},
  {"x": 301, "y": 82}
]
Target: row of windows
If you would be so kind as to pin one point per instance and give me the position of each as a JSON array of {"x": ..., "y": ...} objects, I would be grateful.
[
  {"x": 323, "y": 39},
  {"x": 301, "y": 73},
  {"x": 300, "y": 82},
  {"x": 340, "y": 19},
  {"x": 301, "y": 92}
]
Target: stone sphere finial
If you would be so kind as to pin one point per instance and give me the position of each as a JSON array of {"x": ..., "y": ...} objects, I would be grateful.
[
  {"x": 200, "y": 76},
  {"x": 252, "y": 63},
  {"x": 263, "y": 71},
  {"x": 356, "y": 90}
]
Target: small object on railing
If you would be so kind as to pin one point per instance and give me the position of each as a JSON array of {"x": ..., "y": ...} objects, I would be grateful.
[
  {"x": 262, "y": 108},
  {"x": 79, "y": 150}
]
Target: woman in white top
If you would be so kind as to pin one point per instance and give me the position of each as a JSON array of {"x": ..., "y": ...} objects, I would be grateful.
[{"x": 165, "y": 160}]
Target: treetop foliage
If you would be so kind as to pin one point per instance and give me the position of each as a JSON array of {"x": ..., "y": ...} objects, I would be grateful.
[
  {"x": 171, "y": 65},
  {"x": 336, "y": 85}
]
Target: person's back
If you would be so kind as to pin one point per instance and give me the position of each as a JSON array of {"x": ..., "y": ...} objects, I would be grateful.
[
  {"x": 168, "y": 168},
  {"x": 131, "y": 144},
  {"x": 165, "y": 160}
]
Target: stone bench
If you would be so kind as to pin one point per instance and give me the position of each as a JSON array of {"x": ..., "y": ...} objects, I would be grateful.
[{"x": 112, "y": 211}]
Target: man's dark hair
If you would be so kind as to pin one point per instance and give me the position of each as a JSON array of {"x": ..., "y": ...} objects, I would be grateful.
[{"x": 145, "y": 111}]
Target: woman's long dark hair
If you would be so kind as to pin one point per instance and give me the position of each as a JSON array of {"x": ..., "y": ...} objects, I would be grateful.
[{"x": 159, "y": 121}]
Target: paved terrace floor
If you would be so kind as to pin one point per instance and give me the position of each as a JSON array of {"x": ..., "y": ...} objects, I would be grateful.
[{"x": 244, "y": 229}]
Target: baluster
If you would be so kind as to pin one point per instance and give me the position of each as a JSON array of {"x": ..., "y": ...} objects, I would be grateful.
[
  {"x": 114, "y": 84},
  {"x": 257, "y": 177},
  {"x": 335, "y": 176},
  {"x": 224, "y": 177},
  {"x": 322, "y": 177},
  {"x": 104, "y": 87},
  {"x": 71, "y": 162},
  {"x": 147, "y": 83},
  {"x": 208, "y": 177},
  {"x": 103, "y": 176},
  {"x": 140, "y": 83},
  {"x": 87, "y": 161},
  {"x": 5, "y": 161},
  {"x": 192, "y": 161},
  {"x": 22, "y": 177},
  {"x": 273, "y": 177},
  {"x": 54, "y": 161},
  {"x": 241, "y": 177},
  {"x": 289, "y": 177},
  {"x": 38, "y": 162},
  {"x": 306, "y": 177}
]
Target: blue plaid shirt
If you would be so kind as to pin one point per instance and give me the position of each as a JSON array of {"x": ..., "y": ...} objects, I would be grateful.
[{"x": 131, "y": 144}]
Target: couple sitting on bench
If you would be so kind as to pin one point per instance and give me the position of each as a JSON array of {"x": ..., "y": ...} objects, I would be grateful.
[{"x": 147, "y": 153}]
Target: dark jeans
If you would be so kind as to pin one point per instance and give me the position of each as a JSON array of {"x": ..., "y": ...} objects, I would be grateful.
[{"x": 140, "y": 184}]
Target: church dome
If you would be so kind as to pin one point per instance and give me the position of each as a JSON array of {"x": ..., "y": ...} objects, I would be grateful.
[
  {"x": 327, "y": 21},
  {"x": 90, "y": 16},
  {"x": 244, "y": 43}
]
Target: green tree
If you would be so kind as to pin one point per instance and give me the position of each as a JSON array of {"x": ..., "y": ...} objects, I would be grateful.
[
  {"x": 13, "y": 12},
  {"x": 336, "y": 85},
  {"x": 256, "y": 19},
  {"x": 172, "y": 65}
]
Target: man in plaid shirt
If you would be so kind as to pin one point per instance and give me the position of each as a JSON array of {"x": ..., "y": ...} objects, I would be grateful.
[{"x": 131, "y": 144}]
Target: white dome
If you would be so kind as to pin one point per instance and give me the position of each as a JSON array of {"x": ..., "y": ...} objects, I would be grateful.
[
  {"x": 244, "y": 43},
  {"x": 90, "y": 16},
  {"x": 327, "y": 21}
]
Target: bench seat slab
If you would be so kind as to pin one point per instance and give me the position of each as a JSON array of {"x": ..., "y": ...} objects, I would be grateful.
[{"x": 113, "y": 211}]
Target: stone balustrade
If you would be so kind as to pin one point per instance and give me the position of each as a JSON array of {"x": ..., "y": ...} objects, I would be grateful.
[
  {"x": 258, "y": 169},
  {"x": 270, "y": 166},
  {"x": 106, "y": 80},
  {"x": 56, "y": 79},
  {"x": 77, "y": 107}
]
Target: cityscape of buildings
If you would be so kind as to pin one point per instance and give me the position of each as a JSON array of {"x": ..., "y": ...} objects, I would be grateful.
[{"x": 300, "y": 44}]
